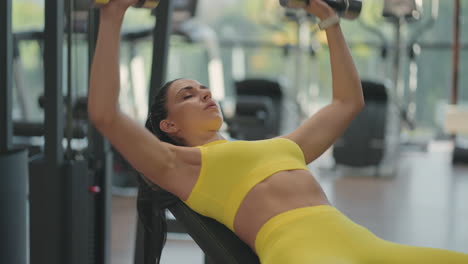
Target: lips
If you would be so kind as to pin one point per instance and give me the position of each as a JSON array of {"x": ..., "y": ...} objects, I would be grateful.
[{"x": 211, "y": 105}]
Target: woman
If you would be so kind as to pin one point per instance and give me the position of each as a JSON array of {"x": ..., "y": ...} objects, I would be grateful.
[{"x": 261, "y": 190}]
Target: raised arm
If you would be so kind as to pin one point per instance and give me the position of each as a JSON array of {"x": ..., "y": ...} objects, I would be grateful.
[
  {"x": 142, "y": 149},
  {"x": 322, "y": 129}
]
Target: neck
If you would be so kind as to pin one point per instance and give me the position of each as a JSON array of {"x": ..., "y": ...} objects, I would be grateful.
[{"x": 203, "y": 138}]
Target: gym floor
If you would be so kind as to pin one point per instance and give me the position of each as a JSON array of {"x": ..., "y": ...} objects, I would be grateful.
[{"x": 425, "y": 204}]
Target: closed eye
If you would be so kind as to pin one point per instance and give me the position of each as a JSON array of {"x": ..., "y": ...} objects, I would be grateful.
[{"x": 187, "y": 97}]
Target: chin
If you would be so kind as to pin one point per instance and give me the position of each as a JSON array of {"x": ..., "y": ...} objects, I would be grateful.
[
  {"x": 215, "y": 123},
  {"x": 218, "y": 122},
  {"x": 211, "y": 124}
]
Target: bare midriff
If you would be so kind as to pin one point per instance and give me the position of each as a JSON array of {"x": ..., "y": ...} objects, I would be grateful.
[{"x": 281, "y": 192}]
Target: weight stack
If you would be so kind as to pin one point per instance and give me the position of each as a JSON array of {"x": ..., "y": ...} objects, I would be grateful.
[{"x": 13, "y": 207}]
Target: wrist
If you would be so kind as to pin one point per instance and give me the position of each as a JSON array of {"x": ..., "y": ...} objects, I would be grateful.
[
  {"x": 110, "y": 24},
  {"x": 113, "y": 20},
  {"x": 331, "y": 21},
  {"x": 112, "y": 13}
]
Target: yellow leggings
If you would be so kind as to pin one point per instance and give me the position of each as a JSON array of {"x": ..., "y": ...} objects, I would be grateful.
[{"x": 323, "y": 235}]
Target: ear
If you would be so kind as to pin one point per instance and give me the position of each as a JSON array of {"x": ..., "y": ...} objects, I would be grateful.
[{"x": 168, "y": 126}]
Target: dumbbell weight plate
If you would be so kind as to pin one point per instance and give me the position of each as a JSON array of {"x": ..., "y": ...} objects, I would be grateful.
[
  {"x": 349, "y": 9},
  {"x": 293, "y": 3}
]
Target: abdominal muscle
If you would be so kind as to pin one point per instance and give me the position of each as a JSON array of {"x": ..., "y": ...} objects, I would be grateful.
[{"x": 281, "y": 192}]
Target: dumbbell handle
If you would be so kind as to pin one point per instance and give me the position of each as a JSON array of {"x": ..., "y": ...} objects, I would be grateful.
[
  {"x": 141, "y": 3},
  {"x": 339, "y": 5}
]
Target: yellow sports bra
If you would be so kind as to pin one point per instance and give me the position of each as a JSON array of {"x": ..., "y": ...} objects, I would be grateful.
[{"x": 229, "y": 170}]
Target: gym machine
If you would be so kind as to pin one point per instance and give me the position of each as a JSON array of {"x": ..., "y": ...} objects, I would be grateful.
[
  {"x": 454, "y": 115},
  {"x": 69, "y": 196},
  {"x": 69, "y": 216},
  {"x": 13, "y": 160}
]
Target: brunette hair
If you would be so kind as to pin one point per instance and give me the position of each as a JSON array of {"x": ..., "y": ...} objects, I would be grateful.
[{"x": 152, "y": 200}]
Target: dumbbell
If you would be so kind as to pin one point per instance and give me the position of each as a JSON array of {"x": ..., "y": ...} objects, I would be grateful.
[
  {"x": 349, "y": 9},
  {"x": 141, "y": 3}
]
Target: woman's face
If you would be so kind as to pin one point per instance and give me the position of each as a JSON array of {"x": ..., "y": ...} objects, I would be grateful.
[{"x": 191, "y": 109}]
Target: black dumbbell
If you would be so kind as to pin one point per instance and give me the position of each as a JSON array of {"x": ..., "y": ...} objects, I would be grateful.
[
  {"x": 84, "y": 5},
  {"x": 349, "y": 9}
]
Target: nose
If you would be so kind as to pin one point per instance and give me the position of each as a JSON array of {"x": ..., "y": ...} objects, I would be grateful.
[{"x": 206, "y": 95}]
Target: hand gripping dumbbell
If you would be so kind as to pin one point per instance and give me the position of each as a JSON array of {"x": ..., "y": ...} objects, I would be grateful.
[{"x": 349, "y": 9}]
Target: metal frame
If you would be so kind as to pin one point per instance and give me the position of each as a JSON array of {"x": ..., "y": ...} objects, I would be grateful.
[
  {"x": 101, "y": 165},
  {"x": 59, "y": 186},
  {"x": 64, "y": 215},
  {"x": 456, "y": 52},
  {"x": 6, "y": 61},
  {"x": 47, "y": 205},
  {"x": 161, "y": 36},
  {"x": 53, "y": 64},
  {"x": 47, "y": 193},
  {"x": 13, "y": 163}
]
